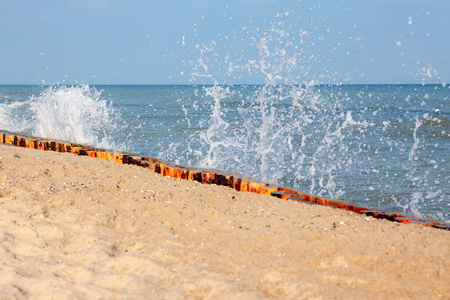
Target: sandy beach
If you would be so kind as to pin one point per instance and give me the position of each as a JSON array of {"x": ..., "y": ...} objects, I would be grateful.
[{"x": 76, "y": 227}]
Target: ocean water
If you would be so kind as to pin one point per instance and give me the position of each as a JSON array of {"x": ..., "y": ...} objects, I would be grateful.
[{"x": 381, "y": 145}]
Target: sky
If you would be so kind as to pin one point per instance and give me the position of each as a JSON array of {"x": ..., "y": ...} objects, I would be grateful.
[{"x": 226, "y": 42}]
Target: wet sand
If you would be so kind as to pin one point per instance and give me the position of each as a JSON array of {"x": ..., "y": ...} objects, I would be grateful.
[{"x": 77, "y": 227}]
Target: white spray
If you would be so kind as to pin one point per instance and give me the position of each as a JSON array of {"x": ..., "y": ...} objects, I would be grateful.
[{"x": 76, "y": 114}]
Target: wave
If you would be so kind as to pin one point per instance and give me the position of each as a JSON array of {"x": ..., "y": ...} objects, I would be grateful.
[{"x": 74, "y": 113}]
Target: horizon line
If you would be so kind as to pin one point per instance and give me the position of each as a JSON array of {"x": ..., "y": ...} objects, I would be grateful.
[{"x": 221, "y": 84}]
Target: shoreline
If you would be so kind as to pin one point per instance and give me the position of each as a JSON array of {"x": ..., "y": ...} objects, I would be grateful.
[
  {"x": 217, "y": 177},
  {"x": 73, "y": 226}
]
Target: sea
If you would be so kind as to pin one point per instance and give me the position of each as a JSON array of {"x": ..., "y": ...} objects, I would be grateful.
[{"x": 385, "y": 146}]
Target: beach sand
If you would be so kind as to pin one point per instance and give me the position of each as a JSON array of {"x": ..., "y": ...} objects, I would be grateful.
[{"x": 78, "y": 227}]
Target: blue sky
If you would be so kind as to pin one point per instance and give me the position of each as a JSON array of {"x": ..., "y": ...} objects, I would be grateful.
[{"x": 236, "y": 41}]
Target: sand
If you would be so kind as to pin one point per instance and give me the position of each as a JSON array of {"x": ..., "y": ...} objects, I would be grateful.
[{"x": 78, "y": 227}]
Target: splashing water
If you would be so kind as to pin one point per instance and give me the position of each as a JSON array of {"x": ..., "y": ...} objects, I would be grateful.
[
  {"x": 277, "y": 135},
  {"x": 276, "y": 130},
  {"x": 303, "y": 134},
  {"x": 76, "y": 114},
  {"x": 337, "y": 142}
]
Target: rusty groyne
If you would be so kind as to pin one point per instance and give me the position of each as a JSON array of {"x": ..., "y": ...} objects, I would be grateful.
[{"x": 205, "y": 176}]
